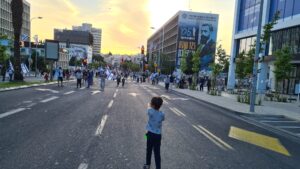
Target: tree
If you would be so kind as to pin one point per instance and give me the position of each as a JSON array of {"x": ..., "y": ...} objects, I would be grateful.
[
  {"x": 282, "y": 65},
  {"x": 3, "y": 55},
  {"x": 183, "y": 64},
  {"x": 196, "y": 61},
  {"x": 244, "y": 64},
  {"x": 17, "y": 18},
  {"x": 223, "y": 58},
  {"x": 72, "y": 61}
]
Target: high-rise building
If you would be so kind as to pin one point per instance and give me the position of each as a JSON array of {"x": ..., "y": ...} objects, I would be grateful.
[
  {"x": 285, "y": 32},
  {"x": 6, "y": 26},
  {"x": 184, "y": 32},
  {"x": 97, "y": 35}
]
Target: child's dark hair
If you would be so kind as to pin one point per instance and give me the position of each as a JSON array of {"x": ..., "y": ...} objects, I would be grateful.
[{"x": 156, "y": 102}]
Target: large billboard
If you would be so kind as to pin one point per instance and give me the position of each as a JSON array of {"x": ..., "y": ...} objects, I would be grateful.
[
  {"x": 52, "y": 50},
  {"x": 197, "y": 30}
]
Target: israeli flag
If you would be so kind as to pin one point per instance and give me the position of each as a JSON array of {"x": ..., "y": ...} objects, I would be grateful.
[
  {"x": 24, "y": 37},
  {"x": 24, "y": 68}
]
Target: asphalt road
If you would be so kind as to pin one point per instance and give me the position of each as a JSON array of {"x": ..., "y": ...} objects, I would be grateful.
[{"x": 54, "y": 127}]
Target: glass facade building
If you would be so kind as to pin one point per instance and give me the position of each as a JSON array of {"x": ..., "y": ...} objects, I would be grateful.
[{"x": 285, "y": 33}]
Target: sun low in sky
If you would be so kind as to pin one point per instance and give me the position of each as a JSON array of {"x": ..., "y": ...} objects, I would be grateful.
[{"x": 125, "y": 23}]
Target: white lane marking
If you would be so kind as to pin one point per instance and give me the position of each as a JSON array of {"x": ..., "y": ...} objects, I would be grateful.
[
  {"x": 48, "y": 90},
  {"x": 115, "y": 95},
  {"x": 216, "y": 138},
  {"x": 117, "y": 90},
  {"x": 29, "y": 101},
  {"x": 175, "y": 110},
  {"x": 101, "y": 126},
  {"x": 95, "y": 92},
  {"x": 210, "y": 138},
  {"x": 110, "y": 104},
  {"x": 82, "y": 88},
  {"x": 133, "y": 94},
  {"x": 83, "y": 166},
  {"x": 165, "y": 101},
  {"x": 32, "y": 104},
  {"x": 11, "y": 112},
  {"x": 70, "y": 92},
  {"x": 49, "y": 99},
  {"x": 282, "y": 121},
  {"x": 289, "y": 127}
]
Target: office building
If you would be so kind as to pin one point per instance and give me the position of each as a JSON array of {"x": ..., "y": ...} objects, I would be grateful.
[
  {"x": 97, "y": 36},
  {"x": 185, "y": 31},
  {"x": 285, "y": 32},
  {"x": 6, "y": 27}
]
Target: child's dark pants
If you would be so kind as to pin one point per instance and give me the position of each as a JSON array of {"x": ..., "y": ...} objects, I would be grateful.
[{"x": 153, "y": 143}]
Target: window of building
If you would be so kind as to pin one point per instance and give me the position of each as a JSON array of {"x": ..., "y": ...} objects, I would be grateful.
[{"x": 249, "y": 13}]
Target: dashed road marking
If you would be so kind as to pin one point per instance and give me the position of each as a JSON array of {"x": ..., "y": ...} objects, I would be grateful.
[
  {"x": 48, "y": 90},
  {"x": 82, "y": 88},
  {"x": 31, "y": 105},
  {"x": 281, "y": 121},
  {"x": 101, "y": 126},
  {"x": 11, "y": 112},
  {"x": 95, "y": 92},
  {"x": 49, "y": 99},
  {"x": 70, "y": 92},
  {"x": 110, "y": 104},
  {"x": 115, "y": 95},
  {"x": 83, "y": 166}
]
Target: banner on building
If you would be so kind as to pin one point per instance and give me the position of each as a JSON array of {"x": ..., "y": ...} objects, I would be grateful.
[{"x": 197, "y": 30}]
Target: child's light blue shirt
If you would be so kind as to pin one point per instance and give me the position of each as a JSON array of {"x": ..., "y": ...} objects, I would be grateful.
[{"x": 155, "y": 120}]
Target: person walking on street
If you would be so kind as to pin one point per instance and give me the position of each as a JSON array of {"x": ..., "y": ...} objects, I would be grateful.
[
  {"x": 102, "y": 77},
  {"x": 79, "y": 76},
  {"x": 154, "y": 130},
  {"x": 167, "y": 82},
  {"x": 60, "y": 77},
  {"x": 201, "y": 84},
  {"x": 90, "y": 78},
  {"x": 123, "y": 81},
  {"x": 208, "y": 85},
  {"x": 118, "y": 80}
]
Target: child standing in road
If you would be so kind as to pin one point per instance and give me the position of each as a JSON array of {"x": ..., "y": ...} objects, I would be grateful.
[{"x": 154, "y": 127}]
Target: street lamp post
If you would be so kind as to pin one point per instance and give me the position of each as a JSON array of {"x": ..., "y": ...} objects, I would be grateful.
[
  {"x": 30, "y": 50},
  {"x": 257, "y": 51}
]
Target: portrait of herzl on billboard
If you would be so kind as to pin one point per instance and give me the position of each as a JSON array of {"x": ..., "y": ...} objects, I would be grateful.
[
  {"x": 207, "y": 44},
  {"x": 198, "y": 31}
]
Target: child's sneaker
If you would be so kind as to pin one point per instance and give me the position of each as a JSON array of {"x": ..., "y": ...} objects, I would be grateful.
[{"x": 146, "y": 167}]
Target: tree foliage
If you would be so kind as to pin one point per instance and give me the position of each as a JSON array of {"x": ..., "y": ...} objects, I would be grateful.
[
  {"x": 196, "y": 61},
  {"x": 183, "y": 64},
  {"x": 283, "y": 64},
  {"x": 167, "y": 64},
  {"x": 244, "y": 64}
]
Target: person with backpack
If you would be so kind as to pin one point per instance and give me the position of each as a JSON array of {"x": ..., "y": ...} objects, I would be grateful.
[
  {"x": 60, "y": 76},
  {"x": 154, "y": 130}
]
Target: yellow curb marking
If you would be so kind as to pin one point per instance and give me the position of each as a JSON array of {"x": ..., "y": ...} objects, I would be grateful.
[{"x": 260, "y": 140}]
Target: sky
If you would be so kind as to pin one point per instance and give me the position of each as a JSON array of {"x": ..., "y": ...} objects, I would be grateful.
[{"x": 125, "y": 24}]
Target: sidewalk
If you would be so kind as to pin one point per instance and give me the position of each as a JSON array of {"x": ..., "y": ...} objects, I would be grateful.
[{"x": 228, "y": 101}]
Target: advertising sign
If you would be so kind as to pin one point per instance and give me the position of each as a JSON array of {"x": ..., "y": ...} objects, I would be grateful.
[
  {"x": 197, "y": 30},
  {"x": 52, "y": 50}
]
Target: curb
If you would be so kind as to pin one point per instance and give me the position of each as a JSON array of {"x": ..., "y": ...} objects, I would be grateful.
[{"x": 29, "y": 86}]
